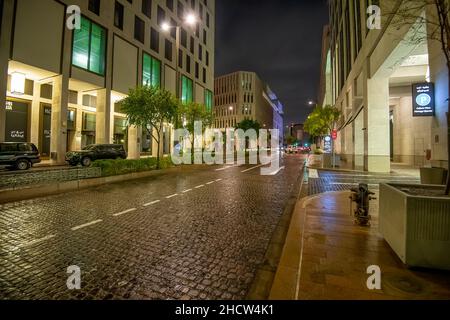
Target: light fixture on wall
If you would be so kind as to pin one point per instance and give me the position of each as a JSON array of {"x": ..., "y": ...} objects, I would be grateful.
[{"x": 18, "y": 83}]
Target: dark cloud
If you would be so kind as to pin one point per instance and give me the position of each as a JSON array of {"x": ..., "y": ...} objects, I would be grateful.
[{"x": 278, "y": 39}]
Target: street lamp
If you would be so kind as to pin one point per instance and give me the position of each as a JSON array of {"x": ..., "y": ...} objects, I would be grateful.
[{"x": 190, "y": 20}]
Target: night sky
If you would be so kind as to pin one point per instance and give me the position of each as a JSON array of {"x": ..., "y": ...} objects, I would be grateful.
[{"x": 280, "y": 40}]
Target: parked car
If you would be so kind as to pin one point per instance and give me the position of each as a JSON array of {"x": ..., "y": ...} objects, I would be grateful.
[
  {"x": 94, "y": 152},
  {"x": 19, "y": 155}
]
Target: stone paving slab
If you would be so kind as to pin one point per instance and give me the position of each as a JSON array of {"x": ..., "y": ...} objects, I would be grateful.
[{"x": 326, "y": 256}]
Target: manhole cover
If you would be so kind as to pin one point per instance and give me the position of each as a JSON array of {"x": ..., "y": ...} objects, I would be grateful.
[{"x": 404, "y": 284}]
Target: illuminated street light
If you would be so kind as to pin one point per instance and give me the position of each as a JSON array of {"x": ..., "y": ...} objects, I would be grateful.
[
  {"x": 165, "y": 27},
  {"x": 191, "y": 19}
]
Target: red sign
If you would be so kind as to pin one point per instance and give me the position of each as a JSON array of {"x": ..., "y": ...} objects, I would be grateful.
[{"x": 334, "y": 134}]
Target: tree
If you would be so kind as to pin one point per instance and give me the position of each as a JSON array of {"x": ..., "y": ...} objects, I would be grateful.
[
  {"x": 248, "y": 124},
  {"x": 437, "y": 22},
  {"x": 150, "y": 107},
  {"x": 322, "y": 121},
  {"x": 193, "y": 112}
]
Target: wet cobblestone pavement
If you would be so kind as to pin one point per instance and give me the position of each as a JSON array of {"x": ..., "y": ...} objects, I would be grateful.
[
  {"x": 341, "y": 181},
  {"x": 198, "y": 233}
]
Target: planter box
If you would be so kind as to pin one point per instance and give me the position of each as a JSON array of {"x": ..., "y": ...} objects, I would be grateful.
[
  {"x": 433, "y": 176},
  {"x": 416, "y": 227},
  {"x": 315, "y": 160}
]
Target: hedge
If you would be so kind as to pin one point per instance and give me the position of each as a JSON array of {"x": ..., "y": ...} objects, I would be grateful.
[{"x": 119, "y": 167}]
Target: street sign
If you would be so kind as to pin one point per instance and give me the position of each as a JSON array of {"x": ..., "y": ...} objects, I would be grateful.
[
  {"x": 423, "y": 100},
  {"x": 328, "y": 145},
  {"x": 334, "y": 134}
]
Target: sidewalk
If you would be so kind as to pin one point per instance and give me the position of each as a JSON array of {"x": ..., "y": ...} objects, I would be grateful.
[{"x": 326, "y": 257}]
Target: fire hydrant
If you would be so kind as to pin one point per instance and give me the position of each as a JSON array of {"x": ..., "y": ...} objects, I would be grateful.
[{"x": 362, "y": 196}]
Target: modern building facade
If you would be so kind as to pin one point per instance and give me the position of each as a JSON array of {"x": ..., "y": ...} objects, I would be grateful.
[
  {"x": 61, "y": 86},
  {"x": 243, "y": 95},
  {"x": 376, "y": 74}
]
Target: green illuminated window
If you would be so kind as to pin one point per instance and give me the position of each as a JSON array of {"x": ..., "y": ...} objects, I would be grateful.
[
  {"x": 151, "y": 71},
  {"x": 89, "y": 47},
  {"x": 186, "y": 90},
  {"x": 208, "y": 100}
]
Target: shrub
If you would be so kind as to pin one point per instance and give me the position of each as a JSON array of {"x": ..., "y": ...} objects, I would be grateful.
[
  {"x": 318, "y": 151},
  {"x": 119, "y": 167}
]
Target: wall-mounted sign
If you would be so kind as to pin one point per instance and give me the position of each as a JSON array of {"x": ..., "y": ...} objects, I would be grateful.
[
  {"x": 328, "y": 145},
  {"x": 423, "y": 100},
  {"x": 16, "y": 128}
]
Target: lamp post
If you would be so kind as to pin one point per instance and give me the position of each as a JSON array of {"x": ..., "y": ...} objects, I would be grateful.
[{"x": 189, "y": 20}]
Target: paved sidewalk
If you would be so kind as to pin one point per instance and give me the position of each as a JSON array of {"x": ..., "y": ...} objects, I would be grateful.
[{"x": 326, "y": 256}]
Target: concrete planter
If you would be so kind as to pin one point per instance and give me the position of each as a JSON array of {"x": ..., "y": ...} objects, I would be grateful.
[
  {"x": 436, "y": 176},
  {"x": 315, "y": 160},
  {"x": 416, "y": 227}
]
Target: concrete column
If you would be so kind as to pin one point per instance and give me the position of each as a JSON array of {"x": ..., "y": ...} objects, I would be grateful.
[
  {"x": 76, "y": 143},
  {"x": 5, "y": 45},
  {"x": 376, "y": 124},
  {"x": 59, "y": 119},
  {"x": 134, "y": 146},
  {"x": 358, "y": 127},
  {"x": 103, "y": 117},
  {"x": 35, "y": 115}
]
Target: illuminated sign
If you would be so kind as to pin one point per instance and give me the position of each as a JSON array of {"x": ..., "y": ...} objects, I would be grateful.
[
  {"x": 423, "y": 100},
  {"x": 328, "y": 145}
]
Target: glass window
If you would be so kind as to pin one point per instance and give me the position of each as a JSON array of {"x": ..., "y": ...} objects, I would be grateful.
[
  {"x": 186, "y": 90},
  {"x": 168, "y": 50},
  {"x": 118, "y": 15},
  {"x": 147, "y": 8},
  {"x": 89, "y": 47},
  {"x": 208, "y": 100},
  {"x": 151, "y": 73},
  {"x": 139, "y": 29},
  {"x": 94, "y": 6},
  {"x": 154, "y": 40}
]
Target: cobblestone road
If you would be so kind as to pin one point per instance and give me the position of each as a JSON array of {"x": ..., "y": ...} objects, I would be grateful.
[{"x": 199, "y": 233}]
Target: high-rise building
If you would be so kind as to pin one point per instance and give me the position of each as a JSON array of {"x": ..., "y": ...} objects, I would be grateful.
[
  {"x": 389, "y": 79},
  {"x": 243, "y": 95},
  {"x": 61, "y": 84}
]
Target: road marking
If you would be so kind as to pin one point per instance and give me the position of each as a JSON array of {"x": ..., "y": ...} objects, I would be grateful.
[
  {"x": 276, "y": 172},
  {"x": 225, "y": 168},
  {"x": 217, "y": 180},
  {"x": 252, "y": 168},
  {"x": 32, "y": 243},
  {"x": 86, "y": 225},
  {"x": 174, "y": 195},
  {"x": 188, "y": 190},
  {"x": 200, "y": 186},
  {"x": 211, "y": 182},
  {"x": 151, "y": 203},
  {"x": 124, "y": 212}
]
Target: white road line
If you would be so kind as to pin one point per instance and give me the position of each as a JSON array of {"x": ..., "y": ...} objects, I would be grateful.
[
  {"x": 200, "y": 186},
  {"x": 225, "y": 168},
  {"x": 252, "y": 168},
  {"x": 124, "y": 212},
  {"x": 174, "y": 195},
  {"x": 276, "y": 172},
  {"x": 32, "y": 243},
  {"x": 151, "y": 203},
  {"x": 86, "y": 225},
  {"x": 217, "y": 180},
  {"x": 211, "y": 182},
  {"x": 188, "y": 190}
]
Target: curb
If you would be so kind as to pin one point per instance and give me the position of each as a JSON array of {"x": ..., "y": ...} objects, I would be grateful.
[{"x": 36, "y": 191}]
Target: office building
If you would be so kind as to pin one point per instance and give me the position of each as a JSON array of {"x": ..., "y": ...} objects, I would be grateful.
[{"x": 61, "y": 86}]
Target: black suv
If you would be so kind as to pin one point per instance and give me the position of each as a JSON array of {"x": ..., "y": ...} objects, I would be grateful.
[
  {"x": 20, "y": 156},
  {"x": 96, "y": 152}
]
